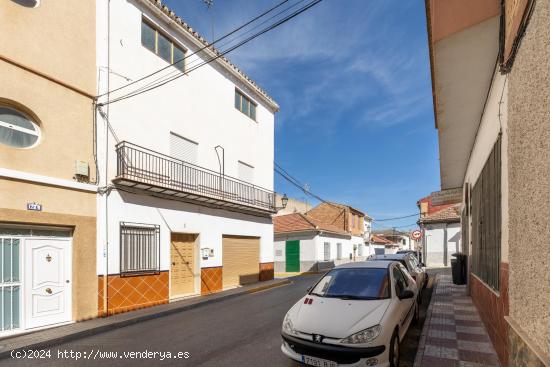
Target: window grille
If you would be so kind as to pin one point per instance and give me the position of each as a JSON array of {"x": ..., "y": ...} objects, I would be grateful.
[{"x": 139, "y": 248}]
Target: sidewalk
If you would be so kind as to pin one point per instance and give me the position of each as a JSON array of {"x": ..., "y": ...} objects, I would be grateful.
[
  {"x": 453, "y": 334},
  {"x": 57, "y": 335}
]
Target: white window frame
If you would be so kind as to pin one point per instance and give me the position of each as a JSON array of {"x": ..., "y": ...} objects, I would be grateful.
[
  {"x": 326, "y": 254},
  {"x": 36, "y": 132}
]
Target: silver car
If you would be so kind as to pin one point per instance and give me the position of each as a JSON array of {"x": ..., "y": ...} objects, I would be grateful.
[{"x": 414, "y": 267}]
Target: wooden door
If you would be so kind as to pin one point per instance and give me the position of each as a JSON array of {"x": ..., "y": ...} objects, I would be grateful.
[
  {"x": 292, "y": 256},
  {"x": 182, "y": 269}
]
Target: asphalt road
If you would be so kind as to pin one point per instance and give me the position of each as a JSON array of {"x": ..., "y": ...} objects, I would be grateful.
[{"x": 242, "y": 331}]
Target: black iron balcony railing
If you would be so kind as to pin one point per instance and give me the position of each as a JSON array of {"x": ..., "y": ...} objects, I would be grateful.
[{"x": 145, "y": 169}]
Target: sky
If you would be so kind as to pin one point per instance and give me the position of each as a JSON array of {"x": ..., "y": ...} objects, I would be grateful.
[{"x": 353, "y": 83}]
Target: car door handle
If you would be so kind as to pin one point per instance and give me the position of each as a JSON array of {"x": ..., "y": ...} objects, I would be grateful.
[{"x": 49, "y": 290}]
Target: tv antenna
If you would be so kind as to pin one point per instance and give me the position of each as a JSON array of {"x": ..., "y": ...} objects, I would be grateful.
[{"x": 209, "y": 4}]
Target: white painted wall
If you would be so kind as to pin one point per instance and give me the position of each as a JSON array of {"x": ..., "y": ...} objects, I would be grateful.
[
  {"x": 198, "y": 106},
  {"x": 494, "y": 120},
  {"x": 435, "y": 236},
  {"x": 308, "y": 245}
]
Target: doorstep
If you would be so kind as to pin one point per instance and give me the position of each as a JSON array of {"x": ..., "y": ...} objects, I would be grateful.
[
  {"x": 62, "y": 334},
  {"x": 453, "y": 333}
]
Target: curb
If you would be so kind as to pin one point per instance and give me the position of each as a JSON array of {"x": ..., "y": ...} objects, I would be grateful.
[
  {"x": 422, "y": 341},
  {"x": 7, "y": 353}
]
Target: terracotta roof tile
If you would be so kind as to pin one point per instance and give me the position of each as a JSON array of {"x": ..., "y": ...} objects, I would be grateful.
[
  {"x": 449, "y": 214},
  {"x": 297, "y": 222}
]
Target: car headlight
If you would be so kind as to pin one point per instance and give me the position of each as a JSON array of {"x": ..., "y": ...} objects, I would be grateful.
[
  {"x": 288, "y": 328},
  {"x": 364, "y": 336}
]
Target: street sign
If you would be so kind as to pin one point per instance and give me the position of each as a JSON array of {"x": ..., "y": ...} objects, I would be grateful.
[{"x": 416, "y": 234}]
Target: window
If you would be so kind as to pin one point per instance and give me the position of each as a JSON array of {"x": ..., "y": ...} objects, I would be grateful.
[
  {"x": 10, "y": 284},
  {"x": 183, "y": 149},
  {"x": 326, "y": 251},
  {"x": 400, "y": 284},
  {"x": 246, "y": 172},
  {"x": 353, "y": 221},
  {"x": 486, "y": 217},
  {"x": 360, "y": 249},
  {"x": 245, "y": 105},
  {"x": 162, "y": 45},
  {"x": 16, "y": 129},
  {"x": 358, "y": 283},
  {"x": 139, "y": 248},
  {"x": 339, "y": 251}
]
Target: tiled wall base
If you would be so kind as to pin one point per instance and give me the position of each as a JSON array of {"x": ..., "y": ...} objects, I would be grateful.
[
  {"x": 267, "y": 271},
  {"x": 492, "y": 309},
  {"x": 133, "y": 292},
  {"x": 520, "y": 353},
  {"x": 211, "y": 280}
]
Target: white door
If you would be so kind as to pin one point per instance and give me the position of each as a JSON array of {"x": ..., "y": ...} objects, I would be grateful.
[{"x": 47, "y": 281}]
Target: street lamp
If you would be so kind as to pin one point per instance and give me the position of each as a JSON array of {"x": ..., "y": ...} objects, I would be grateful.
[{"x": 284, "y": 202}]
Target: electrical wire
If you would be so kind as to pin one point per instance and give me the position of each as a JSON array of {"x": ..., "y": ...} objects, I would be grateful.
[
  {"x": 221, "y": 54},
  {"x": 395, "y": 218},
  {"x": 199, "y": 50}
]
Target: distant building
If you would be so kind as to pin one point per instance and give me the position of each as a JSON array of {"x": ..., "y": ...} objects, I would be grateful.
[
  {"x": 344, "y": 217},
  {"x": 303, "y": 243},
  {"x": 441, "y": 235},
  {"x": 293, "y": 205},
  {"x": 381, "y": 245}
]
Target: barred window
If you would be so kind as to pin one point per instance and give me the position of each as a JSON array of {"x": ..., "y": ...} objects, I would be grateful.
[
  {"x": 139, "y": 248},
  {"x": 486, "y": 221}
]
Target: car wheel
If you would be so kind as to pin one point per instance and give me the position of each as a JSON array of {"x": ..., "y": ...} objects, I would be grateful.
[{"x": 394, "y": 350}]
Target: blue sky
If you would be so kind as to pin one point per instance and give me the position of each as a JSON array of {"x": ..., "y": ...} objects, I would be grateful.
[{"x": 352, "y": 79}]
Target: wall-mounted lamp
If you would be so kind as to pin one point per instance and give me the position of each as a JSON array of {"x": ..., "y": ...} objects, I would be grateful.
[{"x": 284, "y": 202}]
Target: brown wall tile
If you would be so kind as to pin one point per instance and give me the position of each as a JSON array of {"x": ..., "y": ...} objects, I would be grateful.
[
  {"x": 211, "y": 280},
  {"x": 267, "y": 271},
  {"x": 492, "y": 309},
  {"x": 127, "y": 293}
]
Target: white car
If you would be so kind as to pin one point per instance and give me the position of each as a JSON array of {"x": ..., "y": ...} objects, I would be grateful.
[
  {"x": 413, "y": 266},
  {"x": 355, "y": 315}
]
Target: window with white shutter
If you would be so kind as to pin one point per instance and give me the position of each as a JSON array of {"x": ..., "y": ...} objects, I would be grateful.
[
  {"x": 183, "y": 149},
  {"x": 246, "y": 172}
]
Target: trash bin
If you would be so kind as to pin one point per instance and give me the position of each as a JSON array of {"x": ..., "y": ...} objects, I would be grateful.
[
  {"x": 456, "y": 271},
  {"x": 459, "y": 268}
]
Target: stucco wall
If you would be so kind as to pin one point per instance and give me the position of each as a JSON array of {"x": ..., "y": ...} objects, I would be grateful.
[
  {"x": 51, "y": 37},
  {"x": 529, "y": 180},
  {"x": 84, "y": 291},
  {"x": 65, "y": 119}
]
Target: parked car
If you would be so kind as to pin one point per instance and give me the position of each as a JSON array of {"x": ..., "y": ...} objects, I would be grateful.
[
  {"x": 413, "y": 266},
  {"x": 355, "y": 315},
  {"x": 417, "y": 254}
]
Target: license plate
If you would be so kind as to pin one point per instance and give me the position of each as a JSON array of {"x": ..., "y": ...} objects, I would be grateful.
[{"x": 318, "y": 362}]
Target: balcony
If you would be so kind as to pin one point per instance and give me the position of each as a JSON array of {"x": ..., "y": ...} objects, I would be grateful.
[{"x": 142, "y": 170}]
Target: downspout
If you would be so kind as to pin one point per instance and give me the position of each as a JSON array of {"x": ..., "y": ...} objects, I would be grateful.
[{"x": 106, "y": 275}]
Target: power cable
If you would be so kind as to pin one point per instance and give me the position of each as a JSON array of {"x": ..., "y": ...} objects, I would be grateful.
[
  {"x": 395, "y": 218},
  {"x": 199, "y": 50},
  {"x": 221, "y": 54}
]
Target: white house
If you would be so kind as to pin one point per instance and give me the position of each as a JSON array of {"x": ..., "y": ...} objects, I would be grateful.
[
  {"x": 303, "y": 243},
  {"x": 441, "y": 236},
  {"x": 186, "y": 169}
]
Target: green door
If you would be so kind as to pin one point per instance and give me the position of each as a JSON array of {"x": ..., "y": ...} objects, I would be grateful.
[{"x": 292, "y": 253}]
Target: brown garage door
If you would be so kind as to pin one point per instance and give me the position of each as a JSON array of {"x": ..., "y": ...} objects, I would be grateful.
[{"x": 241, "y": 256}]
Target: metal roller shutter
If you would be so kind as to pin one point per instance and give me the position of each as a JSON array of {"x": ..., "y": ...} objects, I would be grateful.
[
  {"x": 183, "y": 149},
  {"x": 241, "y": 257}
]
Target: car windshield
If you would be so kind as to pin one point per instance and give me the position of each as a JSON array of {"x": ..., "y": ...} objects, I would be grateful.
[
  {"x": 402, "y": 261},
  {"x": 354, "y": 283}
]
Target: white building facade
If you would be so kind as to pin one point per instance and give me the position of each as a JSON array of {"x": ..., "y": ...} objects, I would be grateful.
[{"x": 186, "y": 168}]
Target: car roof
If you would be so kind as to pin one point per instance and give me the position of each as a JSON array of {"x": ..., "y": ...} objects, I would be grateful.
[
  {"x": 365, "y": 264},
  {"x": 391, "y": 257}
]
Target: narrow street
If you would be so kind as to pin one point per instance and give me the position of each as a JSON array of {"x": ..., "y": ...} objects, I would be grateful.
[{"x": 237, "y": 332}]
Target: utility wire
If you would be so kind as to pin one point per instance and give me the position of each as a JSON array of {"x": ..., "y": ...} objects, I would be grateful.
[
  {"x": 265, "y": 30},
  {"x": 199, "y": 50},
  {"x": 395, "y": 218}
]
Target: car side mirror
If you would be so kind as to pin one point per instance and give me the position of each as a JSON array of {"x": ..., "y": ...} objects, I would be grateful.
[{"x": 406, "y": 294}]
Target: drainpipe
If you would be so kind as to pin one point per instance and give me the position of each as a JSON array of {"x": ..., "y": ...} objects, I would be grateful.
[{"x": 106, "y": 276}]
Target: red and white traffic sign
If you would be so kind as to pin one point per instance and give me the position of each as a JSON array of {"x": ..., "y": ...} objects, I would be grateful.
[{"x": 416, "y": 234}]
